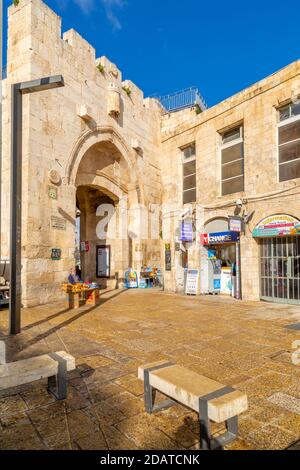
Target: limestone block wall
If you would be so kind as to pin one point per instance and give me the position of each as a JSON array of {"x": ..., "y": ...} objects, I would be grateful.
[
  {"x": 255, "y": 108},
  {"x": 54, "y": 137},
  {"x": 96, "y": 107}
]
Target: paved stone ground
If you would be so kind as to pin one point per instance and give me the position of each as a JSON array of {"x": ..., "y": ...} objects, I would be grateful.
[{"x": 244, "y": 345}]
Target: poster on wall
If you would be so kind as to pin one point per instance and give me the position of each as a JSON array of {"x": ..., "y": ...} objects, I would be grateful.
[
  {"x": 192, "y": 282},
  {"x": 56, "y": 254},
  {"x": 278, "y": 225},
  {"x": 168, "y": 257},
  {"x": 85, "y": 247},
  {"x": 103, "y": 261}
]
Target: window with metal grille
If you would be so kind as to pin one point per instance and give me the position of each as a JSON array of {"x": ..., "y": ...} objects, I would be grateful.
[
  {"x": 289, "y": 142},
  {"x": 232, "y": 161},
  {"x": 189, "y": 173}
]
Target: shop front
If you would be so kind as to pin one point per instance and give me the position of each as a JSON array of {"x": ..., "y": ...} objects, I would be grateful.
[
  {"x": 219, "y": 259},
  {"x": 279, "y": 239}
]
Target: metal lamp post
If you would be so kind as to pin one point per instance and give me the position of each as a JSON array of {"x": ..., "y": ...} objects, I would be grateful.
[{"x": 18, "y": 90}]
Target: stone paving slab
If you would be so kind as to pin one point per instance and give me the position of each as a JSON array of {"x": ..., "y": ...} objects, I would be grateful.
[{"x": 245, "y": 345}]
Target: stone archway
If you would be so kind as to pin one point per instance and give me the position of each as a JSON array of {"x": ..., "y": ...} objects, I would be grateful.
[
  {"x": 106, "y": 135},
  {"x": 105, "y": 189}
]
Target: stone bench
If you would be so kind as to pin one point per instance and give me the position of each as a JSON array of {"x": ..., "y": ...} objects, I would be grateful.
[
  {"x": 210, "y": 399},
  {"x": 53, "y": 366}
]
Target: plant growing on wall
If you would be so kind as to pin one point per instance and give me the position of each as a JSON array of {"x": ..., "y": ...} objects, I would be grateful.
[
  {"x": 101, "y": 68},
  {"x": 198, "y": 110},
  {"x": 127, "y": 90}
]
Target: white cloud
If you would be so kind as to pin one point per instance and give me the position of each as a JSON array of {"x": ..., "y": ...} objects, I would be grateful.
[
  {"x": 110, "y": 6},
  {"x": 85, "y": 5}
]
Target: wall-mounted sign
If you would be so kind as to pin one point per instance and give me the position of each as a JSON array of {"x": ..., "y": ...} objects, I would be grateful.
[
  {"x": 192, "y": 282},
  {"x": 52, "y": 192},
  {"x": 278, "y": 225},
  {"x": 235, "y": 224},
  {"x": 54, "y": 177},
  {"x": 55, "y": 254},
  {"x": 219, "y": 238},
  {"x": 85, "y": 247},
  {"x": 58, "y": 223},
  {"x": 168, "y": 257},
  {"x": 186, "y": 234},
  {"x": 103, "y": 262},
  {"x": 204, "y": 239}
]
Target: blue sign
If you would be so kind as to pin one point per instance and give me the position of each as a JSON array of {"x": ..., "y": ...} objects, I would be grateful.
[
  {"x": 212, "y": 254},
  {"x": 223, "y": 237},
  {"x": 186, "y": 232}
]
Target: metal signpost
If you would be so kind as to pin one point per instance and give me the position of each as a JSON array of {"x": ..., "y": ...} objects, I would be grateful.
[{"x": 18, "y": 90}]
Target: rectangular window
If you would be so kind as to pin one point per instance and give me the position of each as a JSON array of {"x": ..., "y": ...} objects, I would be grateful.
[
  {"x": 189, "y": 173},
  {"x": 289, "y": 142},
  {"x": 232, "y": 161}
]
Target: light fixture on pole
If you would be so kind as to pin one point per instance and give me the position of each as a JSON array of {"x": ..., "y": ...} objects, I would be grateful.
[{"x": 18, "y": 90}]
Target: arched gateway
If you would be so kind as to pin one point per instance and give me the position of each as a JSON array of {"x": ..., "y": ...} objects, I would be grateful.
[{"x": 101, "y": 170}]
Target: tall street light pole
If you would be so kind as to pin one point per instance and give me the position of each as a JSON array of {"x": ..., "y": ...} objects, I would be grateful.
[{"x": 18, "y": 90}]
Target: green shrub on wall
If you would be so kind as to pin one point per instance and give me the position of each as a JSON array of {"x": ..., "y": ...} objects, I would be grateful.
[
  {"x": 101, "y": 68},
  {"x": 127, "y": 90}
]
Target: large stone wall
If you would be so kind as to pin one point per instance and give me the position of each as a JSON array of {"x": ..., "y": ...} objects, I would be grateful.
[
  {"x": 56, "y": 138},
  {"x": 255, "y": 107},
  {"x": 91, "y": 133}
]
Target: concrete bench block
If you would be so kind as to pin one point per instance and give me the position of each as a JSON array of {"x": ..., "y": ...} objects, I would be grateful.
[
  {"x": 187, "y": 387},
  {"x": 35, "y": 368},
  {"x": 2, "y": 353}
]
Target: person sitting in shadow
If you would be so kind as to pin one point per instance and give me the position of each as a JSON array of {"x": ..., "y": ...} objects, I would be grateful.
[{"x": 73, "y": 278}]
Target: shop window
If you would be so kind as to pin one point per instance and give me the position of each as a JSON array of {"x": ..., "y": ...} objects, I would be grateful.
[
  {"x": 189, "y": 174},
  {"x": 232, "y": 161},
  {"x": 289, "y": 142}
]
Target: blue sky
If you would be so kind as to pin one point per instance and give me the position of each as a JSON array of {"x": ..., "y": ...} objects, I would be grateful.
[{"x": 164, "y": 46}]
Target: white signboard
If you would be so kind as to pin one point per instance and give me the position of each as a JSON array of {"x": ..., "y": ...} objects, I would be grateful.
[
  {"x": 226, "y": 282},
  {"x": 103, "y": 262},
  {"x": 192, "y": 282}
]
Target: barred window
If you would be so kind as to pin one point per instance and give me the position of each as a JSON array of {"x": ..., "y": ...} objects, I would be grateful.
[{"x": 232, "y": 161}]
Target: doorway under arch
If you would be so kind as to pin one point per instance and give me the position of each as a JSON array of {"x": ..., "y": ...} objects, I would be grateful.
[{"x": 103, "y": 248}]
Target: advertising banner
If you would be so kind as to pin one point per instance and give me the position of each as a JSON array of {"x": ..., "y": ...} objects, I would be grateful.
[
  {"x": 186, "y": 234},
  {"x": 168, "y": 257},
  {"x": 192, "y": 281},
  {"x": 103, "y": 261},
  {"x": 235, "y": 224},
  {"x": 219, "y": 238},
  {"x": 279, "y": 225}
]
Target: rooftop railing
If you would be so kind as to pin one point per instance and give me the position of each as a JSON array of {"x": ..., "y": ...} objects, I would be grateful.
[{"x": 183, "y": 99}]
